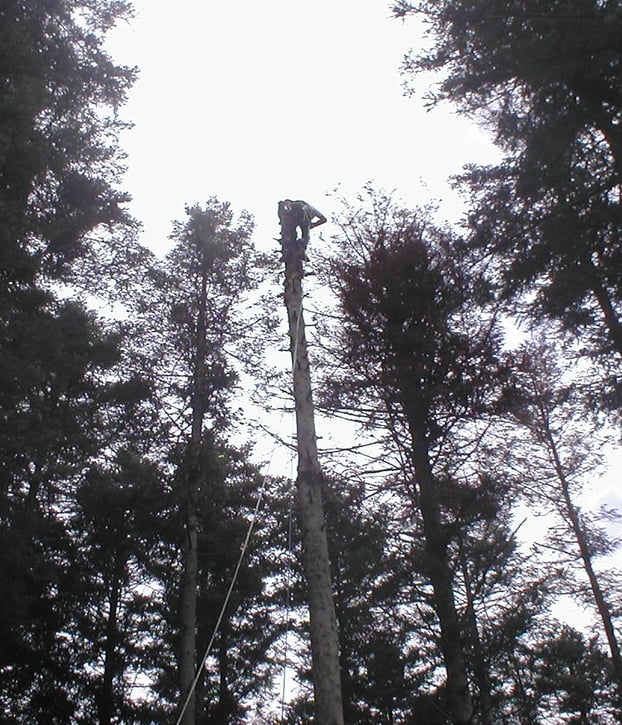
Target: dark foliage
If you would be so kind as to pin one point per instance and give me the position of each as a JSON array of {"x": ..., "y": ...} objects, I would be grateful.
[{"x": 544, "y": 77}]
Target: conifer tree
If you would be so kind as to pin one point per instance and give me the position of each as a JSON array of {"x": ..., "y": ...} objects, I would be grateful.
[
  {"x": 59, "y": 174},
  {"x": 191, "y": 338},
  {"x": 564, "y": 451},
  {"x": 544, "y": 78},
  {"x": 208, "y": 270},
  {"x": 415, "y": 351}
]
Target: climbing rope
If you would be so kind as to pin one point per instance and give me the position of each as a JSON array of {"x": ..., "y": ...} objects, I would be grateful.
[
  {"x": 226, "y": 601},
  {"x": 236, "y": 572}
]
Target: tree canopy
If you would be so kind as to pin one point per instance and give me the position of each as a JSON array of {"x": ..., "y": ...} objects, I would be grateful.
[
  {"x": 456, "y": 502},
  {"x": 544, "y": 78}
]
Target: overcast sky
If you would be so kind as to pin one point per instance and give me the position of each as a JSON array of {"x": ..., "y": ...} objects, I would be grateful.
[
  {"x": 259, "y": 101},
  {"x": 254, "y": 102}
]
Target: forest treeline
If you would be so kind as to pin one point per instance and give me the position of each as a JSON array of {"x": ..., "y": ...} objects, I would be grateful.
[{"x": 130, "y": 477}]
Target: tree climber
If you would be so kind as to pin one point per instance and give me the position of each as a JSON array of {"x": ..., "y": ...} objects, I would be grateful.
[{"x": 295, "y": 215}]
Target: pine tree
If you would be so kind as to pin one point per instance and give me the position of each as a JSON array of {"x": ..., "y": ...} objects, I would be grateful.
[
  {"x": 117, "y": 527},
  {"x": 56, "y": 424},
  {"x": 409, "y": 353},
  {"x": 571, "y": 676},
  {"x": 59, "y": 159},
  {"x": 544, "y": 78},
  {"x": 504, "y": 595},
  {"x": 59, "y": 174},
  {"x": 208, "y": 270},
  {"x": 191, "y": 337},
  {"x": 563, "y": 453}
]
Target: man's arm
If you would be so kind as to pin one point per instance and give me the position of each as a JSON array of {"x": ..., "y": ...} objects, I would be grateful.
[{"x": 315, "y": 214}]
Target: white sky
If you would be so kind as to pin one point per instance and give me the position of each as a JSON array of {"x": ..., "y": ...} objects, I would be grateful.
[
  {"x": 258, "y": 101},
  {"x": 255, "y": 102}
]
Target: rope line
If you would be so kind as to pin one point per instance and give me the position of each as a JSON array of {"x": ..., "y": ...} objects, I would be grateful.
[
  {"x": 239, "y": 564},
  {"x": 226, "y": 601}
]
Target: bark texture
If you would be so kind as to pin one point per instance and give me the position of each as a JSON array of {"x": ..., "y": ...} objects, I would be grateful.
[{"x": 323, "y": 626}]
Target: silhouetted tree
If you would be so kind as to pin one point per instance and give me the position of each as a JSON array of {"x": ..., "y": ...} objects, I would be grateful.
[
  {"x": 563, "y": 451},
  {"x": 413, "y": 349},
  {"x": 543, "y": 77}
]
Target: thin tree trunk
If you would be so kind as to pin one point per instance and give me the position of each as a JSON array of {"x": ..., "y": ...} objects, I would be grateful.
[
  {"x": 584, "y": 549},
  {"x": 188, "y": 611},
  {"x": 612, "y": 322},
  {"x": 441, "y": 578},
  {"x": 480, "y": 668},
  {"x": 603, "y": 298},
  {"x": 323, "y": 626},
  {"x": 350, "y": 712},
  {"x": 106, "y": 695},
  {"x": 188, "y": 606}
]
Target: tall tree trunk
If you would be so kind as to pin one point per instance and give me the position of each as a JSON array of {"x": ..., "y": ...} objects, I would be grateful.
[
  {"x": 441, "y": 578},
  {"x": 190, "y": 578},
  {"x": 323, "y": 626},
  {"x": 480, "y": 667},
  {"x": 188, "y": 609},
  {"x": 105, "y": 704},
  {"x": 577, "y": 529},
  {"x": 612, "y": 322}
]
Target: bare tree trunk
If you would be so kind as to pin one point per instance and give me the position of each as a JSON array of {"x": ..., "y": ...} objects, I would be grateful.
[{"x": 323, "y": 626}]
